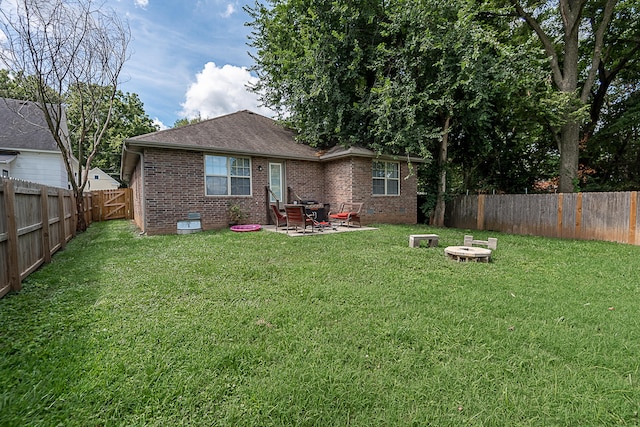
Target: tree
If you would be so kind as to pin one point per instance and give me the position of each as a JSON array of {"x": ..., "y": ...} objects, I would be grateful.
[
  {"x": 560, "y": 31},
  {"x": 128, "y": 119},
  {"x": 64, "y": 45},
  {"x": 613, "y": 154}
]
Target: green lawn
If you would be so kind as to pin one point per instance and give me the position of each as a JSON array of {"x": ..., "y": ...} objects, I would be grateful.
[{"x": 352, "y": 329}]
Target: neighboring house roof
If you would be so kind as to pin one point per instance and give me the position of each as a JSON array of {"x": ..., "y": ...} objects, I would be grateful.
[
  {"x": 241, "y": 133},
  {"x": 23, "y": 126},
  {"x": 7, "y": 157}
]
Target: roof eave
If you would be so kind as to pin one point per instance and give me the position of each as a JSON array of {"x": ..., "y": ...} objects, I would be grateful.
[{"x": 366, "y": 153}]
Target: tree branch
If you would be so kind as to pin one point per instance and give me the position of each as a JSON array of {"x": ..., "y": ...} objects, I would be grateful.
[
  {"x": 548, "y": 45},
  {"x": 597, "y": 49}
]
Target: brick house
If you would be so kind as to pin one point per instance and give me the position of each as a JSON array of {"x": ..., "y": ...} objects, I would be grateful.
[{"x": 206, "y": 167}]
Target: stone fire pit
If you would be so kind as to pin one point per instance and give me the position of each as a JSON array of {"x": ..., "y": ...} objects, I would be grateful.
[{"x": 468, "y": 253}]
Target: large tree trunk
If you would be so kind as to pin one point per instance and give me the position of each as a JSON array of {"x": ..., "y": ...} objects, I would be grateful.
[
  {"x": 438, "y": 214},
  {"x": 569, "y": 155}
]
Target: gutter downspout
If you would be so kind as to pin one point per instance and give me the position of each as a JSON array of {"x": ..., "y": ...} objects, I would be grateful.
[{"x": 142, "y": 185}]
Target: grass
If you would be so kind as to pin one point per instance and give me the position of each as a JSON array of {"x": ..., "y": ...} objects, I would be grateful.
[{"x": 357, "y": 329}]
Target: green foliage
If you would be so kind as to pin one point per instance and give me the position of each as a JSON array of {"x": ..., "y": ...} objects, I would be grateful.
[
  {"x": 315, "y": 63},
  {"x": 613, "y": 153},
  {"x": 256, "y": 329},
  {"x": 236, "y": 215},
  {"x": 22, "y": 87},
  {"x": 387, "y": 76},
  {"x": 127, "y": 119},
  {"x": 185, "y": 121}
]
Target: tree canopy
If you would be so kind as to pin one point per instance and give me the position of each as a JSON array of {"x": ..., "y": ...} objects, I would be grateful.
[{"x": 501, "y": 93}]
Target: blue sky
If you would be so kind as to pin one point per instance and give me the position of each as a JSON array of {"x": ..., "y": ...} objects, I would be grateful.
[{"x": 188, "y": 57}]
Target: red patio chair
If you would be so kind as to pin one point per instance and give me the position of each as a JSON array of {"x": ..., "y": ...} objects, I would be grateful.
[
  {"x": 277, "y": 217},
  {"x": 348, "y": 214},
  {"x": 296, "y": 217}
]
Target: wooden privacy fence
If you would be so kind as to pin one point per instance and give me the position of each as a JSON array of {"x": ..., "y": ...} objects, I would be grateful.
[
  {"x": 35, "y": 222},
  {"x": 593, "y": 216}
]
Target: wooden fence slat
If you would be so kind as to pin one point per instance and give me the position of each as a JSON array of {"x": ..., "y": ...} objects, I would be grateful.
[
  {"x": 633, "y": 216},
  {"x": 62, "y": 229},
  {"x": 481, "y": 221},
  {"x": 13, "y": 266},
  {"x": 46, "y": 246},
  {"x": 559, "y": 218},
  {"x": 579, "y": 216}
]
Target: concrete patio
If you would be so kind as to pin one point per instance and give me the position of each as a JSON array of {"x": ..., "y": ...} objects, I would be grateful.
[{"x": 316, "y": 231}]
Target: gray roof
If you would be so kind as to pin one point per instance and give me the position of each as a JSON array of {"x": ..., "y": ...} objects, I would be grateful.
[
  {"x": 243, "y": 132},
  {"x": 23, "y": 126}
]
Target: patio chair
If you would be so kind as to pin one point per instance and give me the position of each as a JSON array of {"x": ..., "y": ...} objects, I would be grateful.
[
  {"x": 296, "y": 217},
  {"x": 277, "y": 217},
  {"x": 348, "y": 214}
]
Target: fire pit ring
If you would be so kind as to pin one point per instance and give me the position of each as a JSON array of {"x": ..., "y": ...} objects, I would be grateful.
[{"x": 468, "y": 253}]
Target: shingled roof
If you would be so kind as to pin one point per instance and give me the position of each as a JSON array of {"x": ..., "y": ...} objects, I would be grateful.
[
  {"x": 243, "y": 132},
  {"x": 23, "y": 126}
]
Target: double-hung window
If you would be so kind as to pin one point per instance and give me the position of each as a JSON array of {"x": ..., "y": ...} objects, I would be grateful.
[
  {"x": 227, "y": 176},
  {"x": 386, "y": 178}
]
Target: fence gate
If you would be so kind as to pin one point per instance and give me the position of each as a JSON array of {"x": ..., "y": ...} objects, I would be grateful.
[{"x": 112, "y": 204}]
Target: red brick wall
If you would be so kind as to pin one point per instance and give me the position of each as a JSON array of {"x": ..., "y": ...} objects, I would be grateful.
[
  {"x": 306, "y": 179},
  {"x": 350, "y": 180},
  {"x": 175, "y": 186},
  {"x": 400, "y": 209},
  {"x": 339, "y": 185}
]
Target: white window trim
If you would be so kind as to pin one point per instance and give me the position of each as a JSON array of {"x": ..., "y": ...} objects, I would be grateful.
[
  {"x": 386, "y": 180},
  {"x": 229, "y": 176}
]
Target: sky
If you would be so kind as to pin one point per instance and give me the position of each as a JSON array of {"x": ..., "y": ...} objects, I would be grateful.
[{"x": 188, "y": 58}]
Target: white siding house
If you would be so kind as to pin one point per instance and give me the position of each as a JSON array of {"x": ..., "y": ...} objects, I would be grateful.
[
  {"x": 27, "y": 148},
  {"x": 100, "y": 180}
]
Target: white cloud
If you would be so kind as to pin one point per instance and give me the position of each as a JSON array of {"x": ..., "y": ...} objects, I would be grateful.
[
  {"x": 219, "y": 91},
  {"x": 142, "y": 3},
  {"x": 229, "y": 11},
  {"x": 158, "y": 122}
]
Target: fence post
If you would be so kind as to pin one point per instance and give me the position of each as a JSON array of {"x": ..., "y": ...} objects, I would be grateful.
[
  {"x": 62, "y": 217},
  {"x": 480, "y": 219},
  {"x": 44, "y": 203},
  {"x": 12, "y": 229},
  {"x": 633, "y": 216},
  {"x": 559, "y": 219},
  {"x": 579, "y": 216}
]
